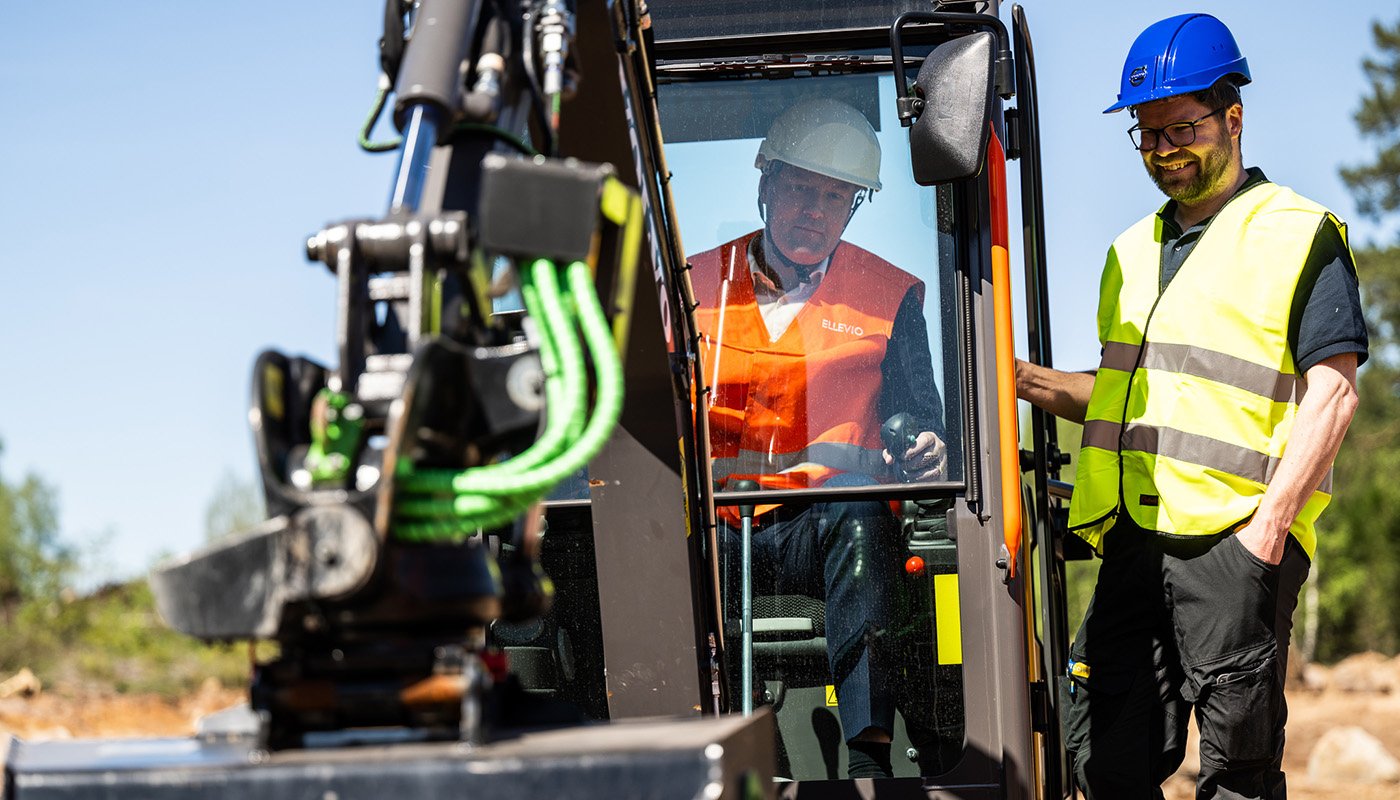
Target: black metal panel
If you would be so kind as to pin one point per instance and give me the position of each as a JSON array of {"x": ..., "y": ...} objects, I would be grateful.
[
  {"x": 648, "y": 523},
  {"x": 1048, "y": 528},
  {"x": 693, "y": 19},
  {"x": 730, "y": 757}
]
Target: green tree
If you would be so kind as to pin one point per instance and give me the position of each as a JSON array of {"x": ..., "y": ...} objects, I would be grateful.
[
  {"x": 1359, "y": 563},
  {"x": 34, "y": 562},
  {"x": 1376, "y": 185}
]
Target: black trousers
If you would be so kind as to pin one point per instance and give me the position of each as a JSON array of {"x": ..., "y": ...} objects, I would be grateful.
[{"x": 1177, "y": 623}]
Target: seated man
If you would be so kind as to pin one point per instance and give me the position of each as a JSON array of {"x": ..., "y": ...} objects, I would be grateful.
[{"x": 809, "y": 345}]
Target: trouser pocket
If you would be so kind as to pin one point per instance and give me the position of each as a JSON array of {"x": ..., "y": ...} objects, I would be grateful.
[
  {"x": 1076, "y": 690},
  {"x": 1241, "y": 715},
  {"x": 1074, "y": 713}
]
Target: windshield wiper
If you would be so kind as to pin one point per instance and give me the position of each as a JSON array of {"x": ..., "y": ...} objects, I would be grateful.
[{"x": 786, "y": 64}]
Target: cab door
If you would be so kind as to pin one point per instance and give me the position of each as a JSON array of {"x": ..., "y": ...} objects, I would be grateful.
[{"x": 1048, "y": 537}]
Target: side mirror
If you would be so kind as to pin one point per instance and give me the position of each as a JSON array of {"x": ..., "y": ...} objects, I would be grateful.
[{"x": 953, "y": 102}]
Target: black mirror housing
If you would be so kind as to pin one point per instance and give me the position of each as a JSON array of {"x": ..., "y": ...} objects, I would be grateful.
[{"x": 948, "y": 140}]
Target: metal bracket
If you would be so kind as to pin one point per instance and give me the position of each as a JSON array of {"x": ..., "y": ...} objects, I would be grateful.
[
  {"x": 909, "y": 109},
  {"x": 1012, "y": 116}
]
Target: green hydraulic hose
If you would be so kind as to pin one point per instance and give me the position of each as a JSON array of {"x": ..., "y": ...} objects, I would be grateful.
[
  {"x": 497, "y": 502},
  {"x": 566, "y": 404},
  {"x": 568, "y": 408},
  {"x": 442, "y": 513},
  {"x": 608, "y": 368},
  {"x": 494, "y": 495},
  {"x": 460, "y": 517},
  {"x": 607, "y": 364}
]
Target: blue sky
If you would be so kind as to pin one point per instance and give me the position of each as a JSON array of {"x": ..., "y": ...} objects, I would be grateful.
[{"x": 165, "y": 161}]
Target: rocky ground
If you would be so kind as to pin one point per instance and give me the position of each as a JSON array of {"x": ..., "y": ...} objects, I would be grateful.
[
  {"x": 1327, "y": 757},
  {"x": 54, "y": 715}
]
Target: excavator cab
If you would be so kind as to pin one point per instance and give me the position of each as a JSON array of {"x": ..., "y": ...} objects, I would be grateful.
[
  {"x": 974, "y": 597},
  {"x": 901, "y": 326},
  {"x": 800, "y": 400}
]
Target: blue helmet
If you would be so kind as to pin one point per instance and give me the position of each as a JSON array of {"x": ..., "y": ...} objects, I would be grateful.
[{"x": 1179, "y": 55}]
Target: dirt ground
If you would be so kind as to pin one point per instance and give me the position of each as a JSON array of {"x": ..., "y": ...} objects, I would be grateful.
[
  {"x": 54, "y": 716},
  {"x": 1311, "y": 714}
]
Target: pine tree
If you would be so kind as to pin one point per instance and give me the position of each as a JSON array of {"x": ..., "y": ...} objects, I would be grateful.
[{"x": 1360, "y": 587}]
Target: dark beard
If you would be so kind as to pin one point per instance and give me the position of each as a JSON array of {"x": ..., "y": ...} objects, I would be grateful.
[{"x": 1210, "y": 178}]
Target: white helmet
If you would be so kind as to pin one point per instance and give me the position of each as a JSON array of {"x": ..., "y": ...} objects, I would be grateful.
[{"x": 827, "y": 137}]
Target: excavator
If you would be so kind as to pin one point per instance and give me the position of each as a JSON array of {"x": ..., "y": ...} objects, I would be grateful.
[{"x": 504, "y": 556}]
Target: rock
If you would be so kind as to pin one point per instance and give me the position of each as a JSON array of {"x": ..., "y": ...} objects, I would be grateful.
[
  {"x": 1293, "y": 678},
  {"x": 210, "y": 698},
  {"x": 48, "y": 732},
  {"x": 1366, "y": 672},
  {"x": 239, "y": 720},
  {"x": 1316, "y": 678},
  {"x": 1352, "y": 755},
  {"x": 22, "y": 684}
]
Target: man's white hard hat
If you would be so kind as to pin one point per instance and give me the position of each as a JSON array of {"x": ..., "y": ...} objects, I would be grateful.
[{"x": 827, "y": 137}]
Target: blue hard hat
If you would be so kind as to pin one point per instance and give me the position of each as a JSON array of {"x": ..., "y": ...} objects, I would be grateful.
[{"x": 1179, "y": 55}]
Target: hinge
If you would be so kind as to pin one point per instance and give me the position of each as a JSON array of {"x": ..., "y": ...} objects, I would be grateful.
[
  {"x": 1013, "y": 133},
  {"x": 1041, "y": 712}
]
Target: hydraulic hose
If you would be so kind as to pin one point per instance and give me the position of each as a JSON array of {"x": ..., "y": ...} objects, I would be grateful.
[
  {"x": 437, "y": 504},
  {"x": 565, "y": 395}
]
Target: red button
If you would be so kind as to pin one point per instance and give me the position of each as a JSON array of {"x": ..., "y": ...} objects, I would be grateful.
[{"x": 914, "y": 566}]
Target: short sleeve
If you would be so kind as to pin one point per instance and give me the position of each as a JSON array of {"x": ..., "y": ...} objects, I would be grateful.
[{"x": 1327, "y": 317}]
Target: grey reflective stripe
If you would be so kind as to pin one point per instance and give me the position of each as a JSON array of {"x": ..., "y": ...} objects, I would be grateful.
[
  {"x": 1120, "y": 356},
  {"x": 1194, "y": 448},
  {"x": 1189, "y": 447},
  {"x": 1101, "y": 433},
  {"x": 835, "y": 455},
  {"x": 1281, "y": 387}
]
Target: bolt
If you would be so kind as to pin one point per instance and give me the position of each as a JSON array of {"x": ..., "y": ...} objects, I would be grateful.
[{"x": 327, "y": 553}]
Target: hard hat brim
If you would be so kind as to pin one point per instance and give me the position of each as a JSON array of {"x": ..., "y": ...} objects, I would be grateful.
[{"x": 1240, "y": 74}]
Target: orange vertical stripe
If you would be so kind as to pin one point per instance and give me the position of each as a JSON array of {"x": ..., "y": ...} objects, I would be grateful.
[{"x": 1006, "y": 356}]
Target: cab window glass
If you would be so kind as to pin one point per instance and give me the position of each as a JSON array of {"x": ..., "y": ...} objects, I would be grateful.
[
  {"x": 824, "y": 282},
  {"x": 849, "y": 318}
]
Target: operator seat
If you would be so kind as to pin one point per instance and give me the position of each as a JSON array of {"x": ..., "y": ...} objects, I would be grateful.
[{"x": 793, "y": 676}]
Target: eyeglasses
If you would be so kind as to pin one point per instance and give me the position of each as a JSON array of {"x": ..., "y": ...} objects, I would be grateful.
[{"x": 1178, "y": 134}]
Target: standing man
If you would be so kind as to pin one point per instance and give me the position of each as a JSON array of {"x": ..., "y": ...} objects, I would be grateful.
[
  {"x": 1231, "y": 331},
  {"x": 809, "y": 345}
]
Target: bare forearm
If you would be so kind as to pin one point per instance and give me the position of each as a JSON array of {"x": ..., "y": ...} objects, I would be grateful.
[
  {"x": 1324, "y": 413},
  {"x": 1064, "y": 394}
]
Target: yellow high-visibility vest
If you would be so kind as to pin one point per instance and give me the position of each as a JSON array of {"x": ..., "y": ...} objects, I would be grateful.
[{"x": 1196, "y": 392}]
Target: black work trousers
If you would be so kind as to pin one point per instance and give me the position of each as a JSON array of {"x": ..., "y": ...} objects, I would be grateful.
[{"x": 1177, "y": 623}]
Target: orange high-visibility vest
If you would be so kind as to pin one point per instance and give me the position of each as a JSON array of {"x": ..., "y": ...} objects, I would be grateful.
[{"x": 794, "y": 412}]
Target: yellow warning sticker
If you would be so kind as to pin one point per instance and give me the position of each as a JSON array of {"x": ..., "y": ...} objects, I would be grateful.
[
  {"x": 947, "y": 611},
  {"x": 1079, "y": 669},
  {"x": 830, "y": 695}
]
